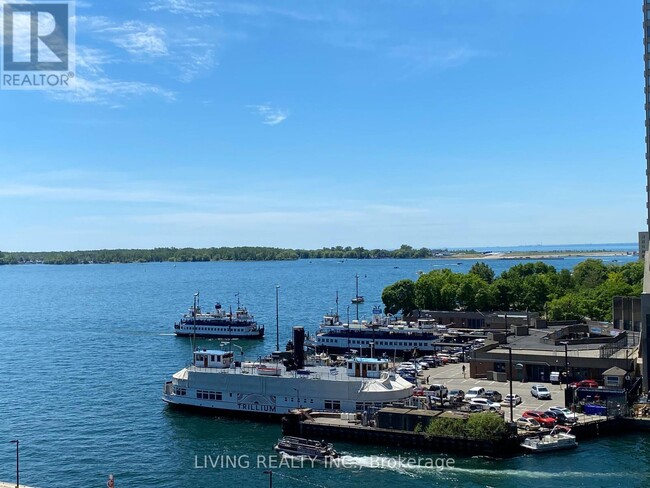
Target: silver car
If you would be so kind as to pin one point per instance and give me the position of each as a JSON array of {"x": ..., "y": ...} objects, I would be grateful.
[{"x": 540, "y": 392}]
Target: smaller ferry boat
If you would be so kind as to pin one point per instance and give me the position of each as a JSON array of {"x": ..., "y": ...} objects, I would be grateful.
[
  {"x": 558, "y": 439},
  {"x": 218, "y": 323},
  {"x": 299, "y": 447},
  {"x": 382, "y": 335}
]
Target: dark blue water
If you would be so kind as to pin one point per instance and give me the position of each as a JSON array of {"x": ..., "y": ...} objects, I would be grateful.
[{"x": 85, "y": 351}]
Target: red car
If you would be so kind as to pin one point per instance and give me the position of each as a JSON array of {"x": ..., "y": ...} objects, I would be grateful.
[
  {"x": 584, "y": 384},
  {"x": 543, "y": 419}
]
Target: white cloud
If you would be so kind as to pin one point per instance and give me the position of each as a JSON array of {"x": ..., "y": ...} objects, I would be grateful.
[
  {"x": 106, "y": 91},
  {"x": 270, "y": 115},
  {"x": 265, "y": 8},
  {"x": 197, "y": 8},
  {"x": 139, "y": 39},
  {"x": 423, "y": 56}
]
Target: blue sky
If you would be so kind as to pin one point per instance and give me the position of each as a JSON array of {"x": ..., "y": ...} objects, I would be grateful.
[{"x": 318, "y": 123}]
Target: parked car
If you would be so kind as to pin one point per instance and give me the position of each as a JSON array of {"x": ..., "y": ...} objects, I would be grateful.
[
  {"x": 476, "y": 392},
  {"x": 456, "y": 395},
  {"x": 493, "y": 395},
  {"x": 584, "y": 384},
  {"x": 560, "y": 418},
  {"x": 527, "y": 423},
  {"x": 437, "y": 390},
  {"x": 486, "y": 404},
  {"x": 567, "y": 413},
  {"x": 543, "y": 419},
  {"x": 540, "y": 392},
  {"x": 514, "y": 399}
]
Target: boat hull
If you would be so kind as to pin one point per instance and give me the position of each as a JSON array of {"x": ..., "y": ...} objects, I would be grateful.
[{"x": 217, "y": 334}]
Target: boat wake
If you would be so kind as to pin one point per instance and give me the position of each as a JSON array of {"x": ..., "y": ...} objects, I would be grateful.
[
  {"x": 521, "y": 473},
  {"x": 417, "y": 467}
]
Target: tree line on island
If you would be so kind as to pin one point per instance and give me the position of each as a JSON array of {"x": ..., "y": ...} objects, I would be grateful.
[
  {"x": 586, "y": 292},
  {"x": 172, "y": 254}
]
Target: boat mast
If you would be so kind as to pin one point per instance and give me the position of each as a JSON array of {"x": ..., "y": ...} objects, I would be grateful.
[
  {"x": 357, "y": 297},
  {"x": 230, "y": 325},
  {"x": 337, "y": 305},
  {"x": 277, "y": 318},
  {"x": 196, "y": 296}
]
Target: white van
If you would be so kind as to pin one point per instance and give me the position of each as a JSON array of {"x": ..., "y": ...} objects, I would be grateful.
[
  {"x": 555, "y": 377},
  {"x": 476, "y": 392}
]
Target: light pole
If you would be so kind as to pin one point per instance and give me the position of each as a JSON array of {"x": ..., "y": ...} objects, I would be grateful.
[
  {"x": 277, "y": 318},
  {"x": 17, "y": 442},
  {"x": 510, "y": 377},
  {"x": 297, "y": 390},
  {"x": 566, "y": 360},
  {"x": 270, "y": 473}
]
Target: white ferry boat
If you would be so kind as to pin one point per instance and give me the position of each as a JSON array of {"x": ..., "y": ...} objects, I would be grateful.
[
  {"x": 219, "y": 323},
  {"x": 214, "y": 381},
  {"x": 383, "y": 334}
]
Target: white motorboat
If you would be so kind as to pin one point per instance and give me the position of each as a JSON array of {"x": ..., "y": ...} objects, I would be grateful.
[{"x": 559, "y": 438}]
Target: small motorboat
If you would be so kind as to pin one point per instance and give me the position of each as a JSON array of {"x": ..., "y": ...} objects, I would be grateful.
[
  {"x": 358, "y": 299},
  {"x": 299, "y": 447},
  {"x": 559, "y": 438}
]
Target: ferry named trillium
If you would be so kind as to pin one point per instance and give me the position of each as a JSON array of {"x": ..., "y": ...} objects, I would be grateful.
[{"x": 214, "y": 381}]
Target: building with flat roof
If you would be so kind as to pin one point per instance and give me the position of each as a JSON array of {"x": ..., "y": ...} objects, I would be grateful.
[{"x": 582, "y": 351}]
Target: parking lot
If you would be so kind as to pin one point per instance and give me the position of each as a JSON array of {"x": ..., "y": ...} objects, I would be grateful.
[{"x": 451, "y": 375}]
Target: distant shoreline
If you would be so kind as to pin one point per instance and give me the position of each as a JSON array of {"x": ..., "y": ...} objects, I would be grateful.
[
  {"x": 542, "y": 255},
  {"x": 251, "y": 254}
]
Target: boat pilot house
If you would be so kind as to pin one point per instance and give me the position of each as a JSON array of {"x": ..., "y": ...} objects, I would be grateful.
[
  {"x": 366, "y": 367},
  {"x": 205, "y": 358}
]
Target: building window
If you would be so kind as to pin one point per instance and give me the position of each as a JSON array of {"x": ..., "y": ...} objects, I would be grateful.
[{"x": 500, "y": 367}]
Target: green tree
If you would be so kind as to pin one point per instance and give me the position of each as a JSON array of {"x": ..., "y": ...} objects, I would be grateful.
[
  {"x": 569, "y": 307},
  {"x": 483, "y": 271},
  {"x": 589, "y": 274},
  {"x": 399, "y": 296},
  {"x": 486, "y": 426}
]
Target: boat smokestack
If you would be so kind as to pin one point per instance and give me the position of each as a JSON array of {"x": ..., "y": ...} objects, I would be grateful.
[{"x": 299, "y": 347}]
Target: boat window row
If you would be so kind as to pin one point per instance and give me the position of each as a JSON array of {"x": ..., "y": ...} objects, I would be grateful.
[
  {"x": 362, "y": 406},
  {"x": 212, "y": 328},
  {"x": 180, "y": 391},
  {"x": 208, "y": 395},
  {"x": 311, "y": 400},
  {"x": 332, "y": 405},
  {"x": 377, "y": 343}
]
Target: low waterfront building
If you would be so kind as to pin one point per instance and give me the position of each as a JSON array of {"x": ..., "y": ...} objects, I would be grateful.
[
  {"x": 475, "y": 320},
  {"x": 576, "y": 351}
]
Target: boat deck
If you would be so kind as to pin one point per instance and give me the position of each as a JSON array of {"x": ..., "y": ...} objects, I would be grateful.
[{"x": 315, "y": 372}]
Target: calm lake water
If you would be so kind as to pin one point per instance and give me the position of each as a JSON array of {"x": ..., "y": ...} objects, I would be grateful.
[{"x": 85, "y": 351}]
